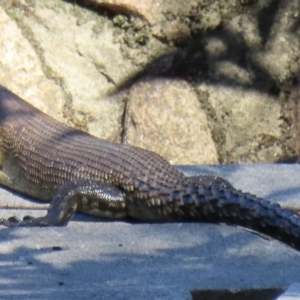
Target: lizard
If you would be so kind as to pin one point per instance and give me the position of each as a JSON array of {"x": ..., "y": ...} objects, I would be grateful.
[{"x": 73, "y": 170}]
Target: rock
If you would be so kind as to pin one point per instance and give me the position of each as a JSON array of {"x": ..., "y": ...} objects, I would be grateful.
[
  {"x": 21, "y": 70},
  {"x": 151, "y": 10},
  {"x": 84, "y": 65},
  {"x": 246, "y": 119},
  {"x": 74, "y": 62},
  {"x": 165, "y": 116}
]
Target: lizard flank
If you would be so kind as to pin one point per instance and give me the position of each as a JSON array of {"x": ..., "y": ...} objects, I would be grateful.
[{"x": 73, "y": 170}]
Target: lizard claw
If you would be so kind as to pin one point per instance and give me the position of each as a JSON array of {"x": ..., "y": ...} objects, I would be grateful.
[
  {"x": 28, "y": 219},
  {"x": 15, "y": 222},
  {"x": 10, "y": 222}
]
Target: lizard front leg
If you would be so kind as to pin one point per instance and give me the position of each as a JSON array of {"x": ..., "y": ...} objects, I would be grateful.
[{"x": 96, "y": 198}]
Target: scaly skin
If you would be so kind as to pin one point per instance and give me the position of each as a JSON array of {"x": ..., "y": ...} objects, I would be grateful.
[{"x": 73, "y": 170}]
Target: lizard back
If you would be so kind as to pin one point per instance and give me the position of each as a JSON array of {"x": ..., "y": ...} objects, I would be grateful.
[
  {"x": 40, "y": 154},
  {"x": 48, "y": 160}
]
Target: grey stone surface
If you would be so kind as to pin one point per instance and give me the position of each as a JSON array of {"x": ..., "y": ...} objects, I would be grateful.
[{"x": 101, "y": 259}]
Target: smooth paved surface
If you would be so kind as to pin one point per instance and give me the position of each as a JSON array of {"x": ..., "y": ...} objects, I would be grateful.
[{"x": 97, "y": 259}]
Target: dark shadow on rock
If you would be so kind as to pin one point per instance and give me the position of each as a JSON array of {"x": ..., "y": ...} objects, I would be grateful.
[
  {"x": 266, "y": 19},
  {"x": 189, "y": 60}
]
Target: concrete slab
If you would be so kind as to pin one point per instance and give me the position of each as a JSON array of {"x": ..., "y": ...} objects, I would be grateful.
[{"x": 98, "y": 259}]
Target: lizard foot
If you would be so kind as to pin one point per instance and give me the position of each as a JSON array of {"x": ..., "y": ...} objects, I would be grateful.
[
  {"x": 11, "y": 222},
  {"x": 16, "y": 222}
]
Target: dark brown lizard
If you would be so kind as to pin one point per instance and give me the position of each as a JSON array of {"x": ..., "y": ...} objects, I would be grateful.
[{"x": 50, "y": 161}]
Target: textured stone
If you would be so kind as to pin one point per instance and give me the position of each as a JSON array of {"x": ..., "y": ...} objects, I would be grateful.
[
  {"x": 172, "y": 20},
  {"x": 282, "y": 47},
  {"x": 249, "y": 65},
  {"x": 76, "y": 49},
  {"x": 71, "y": 61},
  {"x": 151, "y": 10},
  {"x": 83, "y": 62},
  {"x": 21, "y": 70},
  {"x": 246, "y": 118},
  {"x": 166, "y": 117}
]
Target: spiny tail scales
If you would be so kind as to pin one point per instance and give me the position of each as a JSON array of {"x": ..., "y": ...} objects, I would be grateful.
[
  {"x": 73, "y": 170},
  {"x": 227, "y": 205}
]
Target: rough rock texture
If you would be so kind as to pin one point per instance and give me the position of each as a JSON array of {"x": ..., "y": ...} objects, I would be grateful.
[
  {"x": 244, "y": 79},
  {"x": 151, "y": 10},
  {"x": 22, "y": 72},
  {"x": 77, "y": 61},
  {"x": 291, "y": 115},
  {"x": 160, "y": 12},
  {"x": 248, "y": 118},
  {"x": 160, "y": 116}
]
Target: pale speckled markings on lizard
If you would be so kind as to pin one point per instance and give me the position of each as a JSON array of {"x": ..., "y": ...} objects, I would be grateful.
[{"x": 73, "y": 170}]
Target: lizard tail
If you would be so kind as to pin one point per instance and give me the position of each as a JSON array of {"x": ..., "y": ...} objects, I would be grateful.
[{"x": 233, "y": 207}]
